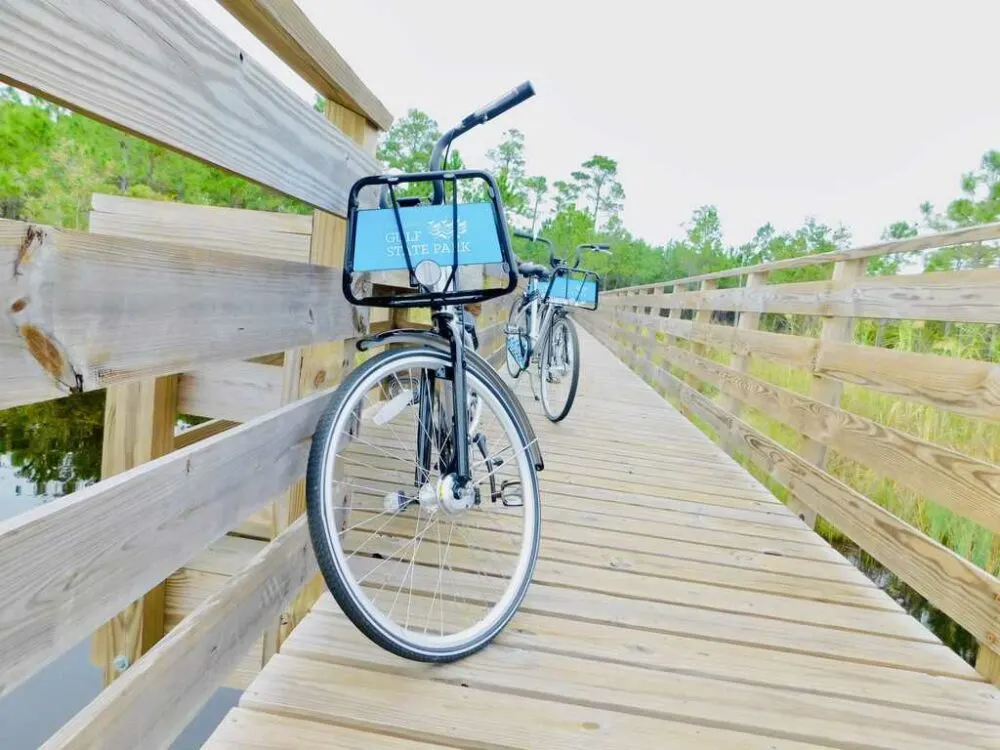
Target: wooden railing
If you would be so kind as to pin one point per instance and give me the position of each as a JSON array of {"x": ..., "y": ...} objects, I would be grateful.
[
  {"x": 190, "y": 559},
  {"x": 704, "y": 359}
]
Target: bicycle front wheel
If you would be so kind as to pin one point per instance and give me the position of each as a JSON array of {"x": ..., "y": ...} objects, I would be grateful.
[
  {"x": 516, "y": 338},
  {"x": 560, "y": 369},
  {"x": 422, "y": 572}
]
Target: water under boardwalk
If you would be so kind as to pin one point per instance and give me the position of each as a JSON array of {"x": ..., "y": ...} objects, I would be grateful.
[{"x": 676, "y": 603}]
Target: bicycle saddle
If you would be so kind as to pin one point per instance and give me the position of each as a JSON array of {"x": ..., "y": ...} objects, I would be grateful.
[{"x": 529, "y": 270}]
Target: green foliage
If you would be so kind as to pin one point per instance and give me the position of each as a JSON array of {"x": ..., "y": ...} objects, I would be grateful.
[
  {"x": 56, "y": 440},
  {"x": 536, "y": 188},
  {"x": 507, "y": 163},
  {"x": 407, "y": 147},
  {"x": 597, "y": 183}
]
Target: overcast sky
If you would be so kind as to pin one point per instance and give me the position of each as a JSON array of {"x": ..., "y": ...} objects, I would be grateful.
[{"x": 852, "y": 111}]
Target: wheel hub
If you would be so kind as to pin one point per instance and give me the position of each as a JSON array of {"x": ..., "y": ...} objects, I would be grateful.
[{"x": 442, "y": 496}]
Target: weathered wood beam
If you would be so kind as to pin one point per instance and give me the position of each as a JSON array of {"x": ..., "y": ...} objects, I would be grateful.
[
  {"x": 162, "y": 72},
  {"x": 285, "y": 29},
  {"x": 961, "y": 296},
  {"x": 152, "y": 703},
  {"x": 69, "y": 565},
  {"x": 86, "y": 311}
]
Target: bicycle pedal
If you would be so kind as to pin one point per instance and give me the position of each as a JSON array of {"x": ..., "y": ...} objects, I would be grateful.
[{"x": 510, "y": 494}]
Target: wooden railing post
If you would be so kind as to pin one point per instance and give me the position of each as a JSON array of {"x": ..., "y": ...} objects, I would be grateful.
[
  {"x": 314, "y": 368},
  {"x": 139, "y": 420},
  {"x": 827, "y": 390},
  {"x": 702, "y": 315},
  {"x": 740, "y": 362},
  {"x": 988, "y": 664}
]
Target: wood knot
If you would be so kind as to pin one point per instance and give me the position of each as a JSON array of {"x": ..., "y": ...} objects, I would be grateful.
[
  {"x": 320, "y": 378},
  {"x": 43, "y": 349}
]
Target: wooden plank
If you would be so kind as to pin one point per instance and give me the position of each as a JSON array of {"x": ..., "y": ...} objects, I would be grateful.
[
  {"x": 965, "y": 592},
  {"x": 825, "y": 390},
  {"x": 980, "y": 233},
  {"x": 66, "y": 301},
  {"x": 162, "y": 72},
  {"x": 740, "y": 362},
  {"x": 264, "y": 234},
  {"x": 200, "y": 432},
  {"x": 156, "y": 699},
  {"x": 241, "y": 729},
  {"x": 962, "y": 484},
  {"x": 963, "y": 386},
  {"x": 139, "y": 421},
  {"x": 369, "y": 700},
  {"x": 703, "y": 317},
  {"x": 671, "y": 695},
  {"x": 236, "y": 391},
  {"x": 962, "y": 296},
  {"x": 69, "y": 565},
  {"x": 772, "y": 610},
  {"x": 286, "y": 30},
  {"x": 950, "y": 696},
  {"x": 187, "y": 588},
  {"x": 988, "y": 664}
]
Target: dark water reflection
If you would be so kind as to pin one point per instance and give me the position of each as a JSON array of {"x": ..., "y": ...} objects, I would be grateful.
[{"x": 950, "y": 632}]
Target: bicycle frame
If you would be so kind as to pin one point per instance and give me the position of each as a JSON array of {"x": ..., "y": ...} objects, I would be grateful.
[{"x": 542, "y": 315}]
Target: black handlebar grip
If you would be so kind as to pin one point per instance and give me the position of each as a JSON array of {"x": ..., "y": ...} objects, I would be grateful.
[{"x": 498, "y": 106}]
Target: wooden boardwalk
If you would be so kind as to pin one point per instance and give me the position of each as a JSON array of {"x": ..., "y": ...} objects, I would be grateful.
[{"x": 676, "y": 603}]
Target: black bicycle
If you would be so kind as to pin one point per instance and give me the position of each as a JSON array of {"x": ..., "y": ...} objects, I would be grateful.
[
  {"x": 539, "y": 327},
  {"x": 422, "y": 493}
]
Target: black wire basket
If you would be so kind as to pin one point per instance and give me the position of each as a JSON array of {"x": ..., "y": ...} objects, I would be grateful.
[{"x": 414, "y": 252}]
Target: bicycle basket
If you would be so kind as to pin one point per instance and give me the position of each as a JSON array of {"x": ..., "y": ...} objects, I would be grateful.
[
  {"x": 416, "y": 253},
  {"x": 574, "y": 287}
]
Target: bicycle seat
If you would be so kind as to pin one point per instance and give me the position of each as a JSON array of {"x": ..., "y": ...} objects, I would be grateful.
[{"x": 529, "y": 270}]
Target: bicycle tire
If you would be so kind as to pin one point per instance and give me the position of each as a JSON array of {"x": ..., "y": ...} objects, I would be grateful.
[
  {"x": 328, "y": 434},
  {"x": 574, "y": 342},
  {"x": 515, "y": 368}
]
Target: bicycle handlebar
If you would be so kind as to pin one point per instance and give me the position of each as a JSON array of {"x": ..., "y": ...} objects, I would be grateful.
[
  {"x": 596, "y": 248},
  {"x": 501, "y": 104},
  {"x": 494, "y": 109}
]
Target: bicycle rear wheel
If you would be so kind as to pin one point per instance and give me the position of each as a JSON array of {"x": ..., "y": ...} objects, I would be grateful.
[
  {"x": 560, "y": 369},
  {"x": 421, "y": 572}
]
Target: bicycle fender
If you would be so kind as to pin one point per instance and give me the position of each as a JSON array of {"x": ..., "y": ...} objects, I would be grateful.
[{"x": 483, "y": 369}]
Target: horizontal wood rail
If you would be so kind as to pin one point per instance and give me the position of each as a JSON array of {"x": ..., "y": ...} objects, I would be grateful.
[
  {"x": 283, "y": 27},
  {"x": 964, "y": 386},
  {"x": 961, "y": 296},
  {"x": 153, "y": 702},
  {"x": 66, "y": 295},
  {"x": 160, "y": 71},
  {"x": 678, "y": 356},
  {"x": 71, "y": 564}
]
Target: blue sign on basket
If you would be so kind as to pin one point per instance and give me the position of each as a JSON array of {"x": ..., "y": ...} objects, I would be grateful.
[
  {"x": 573, "y": 291},
  {"x": 429, "y": 235}
]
